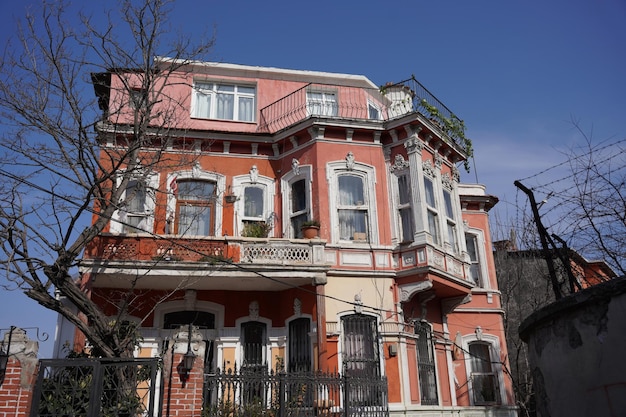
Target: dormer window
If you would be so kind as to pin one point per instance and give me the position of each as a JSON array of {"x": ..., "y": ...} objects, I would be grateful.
[
  {"x": 223, "y": 102},
  {"x": 321, "y": 103}
]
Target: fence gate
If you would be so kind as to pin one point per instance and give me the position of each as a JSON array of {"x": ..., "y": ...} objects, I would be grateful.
[{"x": 96, "y": 388}]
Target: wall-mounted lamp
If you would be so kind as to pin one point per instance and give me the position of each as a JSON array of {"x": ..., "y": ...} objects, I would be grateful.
[
  {"x": 393, "y": 350},
  {"x": 188, "y": 359}
]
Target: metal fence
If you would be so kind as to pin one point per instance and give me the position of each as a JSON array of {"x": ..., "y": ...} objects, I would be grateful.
[
  {"x": 251, "y": 393},
  {"x": 95, "y": 387}
]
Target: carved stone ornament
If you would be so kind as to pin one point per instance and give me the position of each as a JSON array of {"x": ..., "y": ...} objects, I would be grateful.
[
  {"x": 399, "y": 163},
  {"x": 414, "y": 144},
  {"x": 428, "y": 168},
  {"x": 254, "y": 174},
  {"x": 456, "y": 174},
  {"x": 253, "y": 310},
  {"x": 438, "y": 161},
  {"x": 295, "y": 166},
  {"x": 350, "y": 161},
  {"x": 195, "y": 170},
  {"x": 297, "y": 307},
  {"x": 447, "y": 182}
]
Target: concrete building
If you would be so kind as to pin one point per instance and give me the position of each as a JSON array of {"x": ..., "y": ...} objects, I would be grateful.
[{"x": 400, "y": 280}]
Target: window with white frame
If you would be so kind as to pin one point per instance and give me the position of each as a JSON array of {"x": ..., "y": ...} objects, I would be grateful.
[
  {"x": 352, "y": 201},
  {"x": 426, "y": 367},
  {"x": 484, "y": 371},
  {"x": 431, "y": 210},
  {"x": 450, "y": 221},
  {"x": 255, "y": 202},
  {"x": 361, "y": 351},
  {"x": 373, "y": 111},
  {"x": 224, "y": 101},
  {"x": 352, "y": 208},
  {"x": 471, "y": 242},
  {"x": 136, "y": 213},
  {"x": 405, "y": 209},
  {"x": 484, "y": 379},
  {"x": 296, "y": 186},
  {"x": 321, "y": 103}
]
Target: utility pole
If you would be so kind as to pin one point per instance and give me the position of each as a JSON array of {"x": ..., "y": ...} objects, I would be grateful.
[{"x": 543, "y": 236}]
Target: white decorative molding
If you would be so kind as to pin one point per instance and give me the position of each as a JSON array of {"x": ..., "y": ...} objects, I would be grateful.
[
  {"x": 295, "y": 166},
  {"x": 427, "y": 166},
  {"x": 407, "y": 291},
  {"x": 399, "y": 163},
  {"x": 350, "y": 161}
]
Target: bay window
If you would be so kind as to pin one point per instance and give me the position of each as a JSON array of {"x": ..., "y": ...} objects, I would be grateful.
[
  {"x": 471, "y": 242},
  {"x": 224, "y": 101},
  {"x": 432, "y": 213},
  {"x": 405, "y": 210}
]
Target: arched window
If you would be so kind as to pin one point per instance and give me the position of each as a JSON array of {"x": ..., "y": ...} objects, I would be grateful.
[
  {"x": 484, "y": 378},
  {"x": 299, "y": 345},
  {"x": 426, "y": 367}
]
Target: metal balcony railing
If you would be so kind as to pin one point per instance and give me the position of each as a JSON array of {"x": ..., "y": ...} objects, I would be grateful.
[{"x": 353, "y": 103}]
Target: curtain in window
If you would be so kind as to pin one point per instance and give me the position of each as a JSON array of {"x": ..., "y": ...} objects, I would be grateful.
[
  {"x": 352, "y": 214},
  {"x": 225, "y": 102},
  {"x": 360, "y": 346},
  {"x": 203, "y": 100},
  {"x": 245, "y": 103},
  {"x": 484, "y": 381},
  {"x": 430, "y": 192},
  {"x": 253, "y": 202},
  {"x": 194, "y": 220}
]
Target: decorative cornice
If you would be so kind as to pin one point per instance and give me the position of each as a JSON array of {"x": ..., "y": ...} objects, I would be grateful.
[{"x": 427, "y": 166}]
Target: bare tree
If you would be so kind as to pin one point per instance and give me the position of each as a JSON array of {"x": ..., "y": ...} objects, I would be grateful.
[{"x": 61, "y": 183}]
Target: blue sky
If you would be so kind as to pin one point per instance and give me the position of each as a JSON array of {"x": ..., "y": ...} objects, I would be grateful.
[{"x": 518, "y": 73}]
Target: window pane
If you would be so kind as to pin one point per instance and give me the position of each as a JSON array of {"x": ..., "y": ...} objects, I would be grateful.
[
  {"x": 352, "y": 225},
  {"x": 195, "y": 190},
  {"x": 373, "y": 112},
  {"x": 225, "y": 106},
  {"x": 360, "y": 345},
  {"x": 253, "y": 202},
  {"x": 430, "y": 192},
  {"x": 351, "y": 191},
  {"x": 447, "y": 198},
  {"x": 298, "y": 196},
  {"x": 135, "y": 197},
  {"x": 452, "y": 236},
  {"x": 427, "y": 372},
  {"x": 299, "y": 345},
  {"x": 433, "y": 226},
  {"x": 296, "y": 224},
  {"x": 253, "y": 343},
  {"x": 404, "y": 189},
  {"x": 194, "y": 220},
  {"x": 246, "y": 109},
  {"x": 406, "y": 223},
  {"x": 470, "y": 242}
]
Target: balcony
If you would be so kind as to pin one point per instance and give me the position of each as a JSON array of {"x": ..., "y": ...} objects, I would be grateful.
[
  {"x": 206, "y": 263},
  {"x": 362, "y": 104},
  {"x": 292, "y": 252}
]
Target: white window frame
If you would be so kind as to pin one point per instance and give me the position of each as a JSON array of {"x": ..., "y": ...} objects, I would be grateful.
[
  {"x": 494, "y": 344},
  {"x": 118, "y": 220},
  {"x": 304, "y": 172},
  {"x": 399, "y": 206},
  {"x": 240, "y": 183},
  {"x": 432, "y": 211},
  {"x": 210, "y": 90},
  {"x": 452, "y": 235},
  {"x": 195, "y": 175},
  {"x": 372, "y": 106},
  {"x": 481, "y": 259},
  {"x": 326, "y": 105},
  {"x": 342, "y": 348},
  {"x": 368, "y": 174}
]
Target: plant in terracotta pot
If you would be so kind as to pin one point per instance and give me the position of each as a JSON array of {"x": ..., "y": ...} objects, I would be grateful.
[{"x": 310, "y": 229}]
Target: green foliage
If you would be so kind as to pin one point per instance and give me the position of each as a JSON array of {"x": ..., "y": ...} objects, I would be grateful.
[
  {"x": 451, "y": 126},
  {"x": 311, "y": 223},
  {"x": 256, "y": 229}
]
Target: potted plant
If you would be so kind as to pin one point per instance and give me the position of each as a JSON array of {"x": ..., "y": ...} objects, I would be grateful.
[
  {"x": 310, "y": 229},
  {"x": 256, "y": 229}
]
